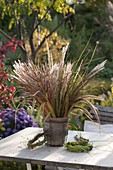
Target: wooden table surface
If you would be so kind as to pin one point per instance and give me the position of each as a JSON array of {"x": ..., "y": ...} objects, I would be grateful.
[{"x": 14, "y": 148}]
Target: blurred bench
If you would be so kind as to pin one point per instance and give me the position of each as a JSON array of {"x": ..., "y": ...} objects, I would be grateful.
[
  {"x": 106, "y": 120},
  {"x": 105, "y": 114}
]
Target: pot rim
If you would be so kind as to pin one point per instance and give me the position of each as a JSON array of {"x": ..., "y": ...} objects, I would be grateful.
[{"x": 59, "y": 119}]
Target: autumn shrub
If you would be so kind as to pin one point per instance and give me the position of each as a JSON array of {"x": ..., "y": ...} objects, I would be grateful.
[
  {"x": 7, "y": 91},
  {"x": 52, "y": 46}
]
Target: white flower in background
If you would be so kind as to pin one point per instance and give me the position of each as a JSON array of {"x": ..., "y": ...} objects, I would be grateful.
[
  {"x": 109, "y": 93},
  {"x": 103, "y": 96},
  {"x": 70, "y": 2}
]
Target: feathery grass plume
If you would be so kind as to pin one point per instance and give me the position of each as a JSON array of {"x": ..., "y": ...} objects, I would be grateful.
[{"x": 58, "y": 87}]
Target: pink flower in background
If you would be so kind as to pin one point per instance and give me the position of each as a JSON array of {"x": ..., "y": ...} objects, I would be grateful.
[
  {"x": 1, "y": 64},
  {"x": 12, "y": 89}
]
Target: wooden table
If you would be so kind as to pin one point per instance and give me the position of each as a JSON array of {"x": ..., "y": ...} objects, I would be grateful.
[{"x": 14, "y": 148}]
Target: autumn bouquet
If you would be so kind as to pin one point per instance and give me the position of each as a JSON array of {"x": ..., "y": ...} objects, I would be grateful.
[{"x": 58, "y": 87}]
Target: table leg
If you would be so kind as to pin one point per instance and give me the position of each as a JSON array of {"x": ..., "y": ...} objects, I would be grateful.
[{"x": 29, "y": 167}]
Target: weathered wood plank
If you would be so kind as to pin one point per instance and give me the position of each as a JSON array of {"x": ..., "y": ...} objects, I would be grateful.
[
  {"x": 105, "y": 108},
  {"x": 14, "y": 148}
]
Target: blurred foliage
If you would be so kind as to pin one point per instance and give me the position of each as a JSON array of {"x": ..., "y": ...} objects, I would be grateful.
[
  {"x": 93, "y": 18},
  {"x": 5, "y": 165},
  {"x": 107, "y": 97},
  {"x": 91, "y": 23},
  {"x": 95, "y": 3},
  {"x": 10, "y": 56},
  {"x": 108, "y": 100},
  {"x": 24, "y": 18},
  {"x": 96, "y": 22},
  {"x": 16, "y": 9},
  {"x": 6, "y": 90},
  {"x": 99, "y": 88},
  {"x": 52, "y": 46},
  {"x": 76, "y": 121}
]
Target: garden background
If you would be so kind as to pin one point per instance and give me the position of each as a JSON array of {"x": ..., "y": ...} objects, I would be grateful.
[{"x": 27, "y": 32}]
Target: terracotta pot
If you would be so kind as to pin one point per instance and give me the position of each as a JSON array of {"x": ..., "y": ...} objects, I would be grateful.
[{"x": 56, "y": 131}]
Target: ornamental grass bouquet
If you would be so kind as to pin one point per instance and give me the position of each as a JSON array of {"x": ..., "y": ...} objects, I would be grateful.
[{"x": 58, "y": 87}]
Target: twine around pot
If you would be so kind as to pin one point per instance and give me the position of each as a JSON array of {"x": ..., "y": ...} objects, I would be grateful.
[{"x": 55, "y": 132}]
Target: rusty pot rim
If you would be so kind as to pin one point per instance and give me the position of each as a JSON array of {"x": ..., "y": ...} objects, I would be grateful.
[{"x": 57, "y": 119}]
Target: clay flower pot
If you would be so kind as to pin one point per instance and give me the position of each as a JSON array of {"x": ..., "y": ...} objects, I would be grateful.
[{"x": 56, "y": 131}]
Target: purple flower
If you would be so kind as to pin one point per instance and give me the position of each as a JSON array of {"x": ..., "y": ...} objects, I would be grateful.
[
  {"x": 23, "y": 127},
  {"x": 7, "y": 123},
  {"x": 20, "y": 113},
  {"x": 15, "y": 120},
  {"x": 14, "y": 130},
  {"x": 1, "y": 135},
  {"x": 6, "y": 133},
  {"x": 18, "y": 126},
  {"x": 8, "y": 129},
  {"x": 8, "y": 109},
  {"x": 22, "y": 109},
  {"x": 25, "y": 122},
  {"x": 6, "y": 119},
  {"x": 35, "y": 125}
]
